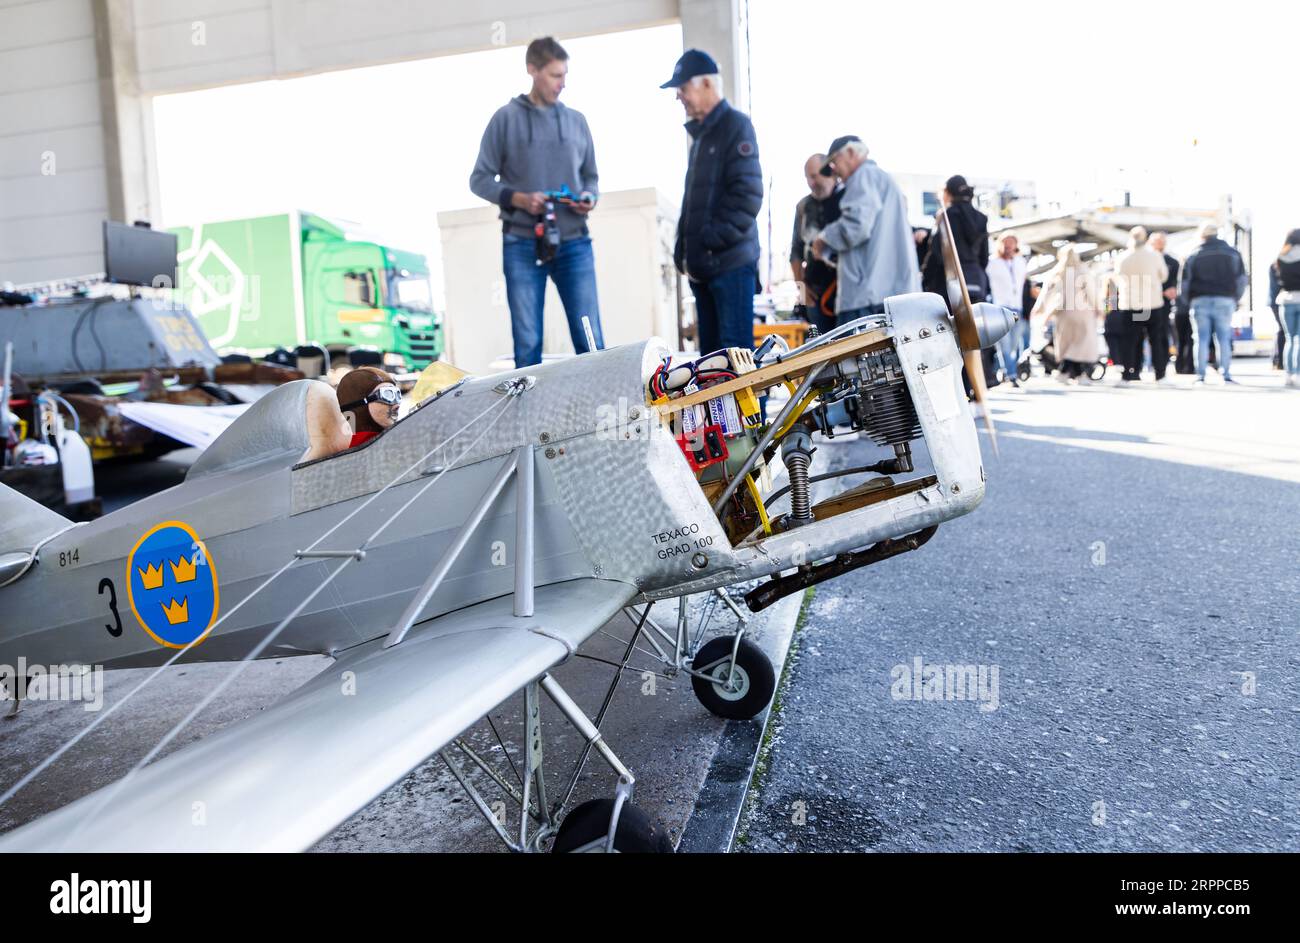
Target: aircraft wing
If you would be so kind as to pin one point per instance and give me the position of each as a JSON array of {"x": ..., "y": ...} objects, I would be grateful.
[{"x": 283, "y": 779}]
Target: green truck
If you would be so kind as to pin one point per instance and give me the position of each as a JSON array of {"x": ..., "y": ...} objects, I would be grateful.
[{"x": 298, "y": 278}]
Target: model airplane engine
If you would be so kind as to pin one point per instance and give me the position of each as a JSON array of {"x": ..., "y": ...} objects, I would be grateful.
[
  {"x": 871, "y": 396},
  {"x": 866, "y": 392}
]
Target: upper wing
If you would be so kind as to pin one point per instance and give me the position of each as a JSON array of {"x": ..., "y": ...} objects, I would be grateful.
[{"x": 281, "y": 780}]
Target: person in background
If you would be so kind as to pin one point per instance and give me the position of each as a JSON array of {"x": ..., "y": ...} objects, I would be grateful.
[
  {"x": 815, "y": 212},
  {"x": 1028, "y": 301},
  {"x": 1279, "y": 349},
  {"x": 970, "y": 231},
  {"x": 872, "y": 238},
  {"x": 1068, "y": 298},
  {"x": 1213, "y": 281},
  {"x": 1159, "y": 242},
  {"x": 1287, "y": 270},
  {"x": 922, "y": 235},
  {"x": 533, "y": 144},
  {"x": 717, "y": 232},
  {"x": 1140, "y": 274},
  {"x": 1006, "y": 278}
]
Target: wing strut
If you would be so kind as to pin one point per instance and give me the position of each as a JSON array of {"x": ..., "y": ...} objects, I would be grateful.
[{"x": 520, "y": 461}]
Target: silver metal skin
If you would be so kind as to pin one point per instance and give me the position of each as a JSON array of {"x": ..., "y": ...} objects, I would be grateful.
[
  {"x": 287, "y": 776},
  {"x": 612, "y": 511},
  {"x": 524, "y": 524}
]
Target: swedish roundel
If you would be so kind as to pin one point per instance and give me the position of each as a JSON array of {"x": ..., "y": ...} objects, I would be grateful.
[{"x": 172, "y": 585}]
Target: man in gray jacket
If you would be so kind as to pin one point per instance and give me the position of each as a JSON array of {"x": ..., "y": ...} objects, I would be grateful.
[
  {"x": 533, "y": 145},
  {"x": 872, "y": 237}
]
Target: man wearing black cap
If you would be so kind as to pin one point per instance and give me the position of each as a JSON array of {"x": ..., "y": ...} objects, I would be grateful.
[
  {"x": 873, "y": 239},
  {"x": 717, "y": 233}
]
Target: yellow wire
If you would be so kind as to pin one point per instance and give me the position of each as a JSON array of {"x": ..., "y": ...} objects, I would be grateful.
[
  {"x": 758, "y": 503},
  {"x": 794, "y": 416}
]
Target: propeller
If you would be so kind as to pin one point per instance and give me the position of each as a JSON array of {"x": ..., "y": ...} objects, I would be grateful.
[{"x": 963, "y": 313}]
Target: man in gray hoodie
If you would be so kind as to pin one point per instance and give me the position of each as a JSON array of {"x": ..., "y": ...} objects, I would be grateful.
[{"x": 532, "y": 145}]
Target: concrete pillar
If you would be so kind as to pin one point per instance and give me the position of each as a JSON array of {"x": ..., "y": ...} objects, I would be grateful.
[
  {"x": 718, "y": 27},
  {"x": 130, "y": 158}
]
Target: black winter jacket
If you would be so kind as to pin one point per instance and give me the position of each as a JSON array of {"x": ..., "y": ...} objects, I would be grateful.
[
  {"x": 1288, "y": 275},
  {"x": 1215, "y": 269},
  {"x": 970, "y": 231},
  {"x": 718, "y": 228}
]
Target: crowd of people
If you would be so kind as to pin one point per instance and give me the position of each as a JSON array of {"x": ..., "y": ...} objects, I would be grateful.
[
  {"x": 1146, "y": 304},
  {"x": 852, "y": 246}
]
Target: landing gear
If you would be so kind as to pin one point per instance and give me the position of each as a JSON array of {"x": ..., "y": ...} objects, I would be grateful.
[
  {"x": 608, "y": 824},
  {"x": 586, "y": 828},
  {"x": 737, "y": 693}
]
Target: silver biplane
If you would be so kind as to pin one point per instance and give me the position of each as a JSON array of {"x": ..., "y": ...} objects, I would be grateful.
[{"x": 611, "y": 487}]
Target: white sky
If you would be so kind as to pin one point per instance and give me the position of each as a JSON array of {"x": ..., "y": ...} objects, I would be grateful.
[{"x": 1178, "y": 103}]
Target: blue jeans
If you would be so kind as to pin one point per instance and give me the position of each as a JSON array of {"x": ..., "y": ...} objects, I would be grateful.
[
  {"x": 1291, "y": 352},
  {"x": 724, "y": 310},
  {"x": 1012, "y": 345},
  {"x": 1213, "y": 315},
  {"x": 574, "y": 272}
]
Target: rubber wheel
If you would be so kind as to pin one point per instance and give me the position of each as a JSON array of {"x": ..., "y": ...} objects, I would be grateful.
[
  {"x": 755, "y": 680},
  {"x": 1098, "y": 371},
  {"x": 636, "y": 834}
]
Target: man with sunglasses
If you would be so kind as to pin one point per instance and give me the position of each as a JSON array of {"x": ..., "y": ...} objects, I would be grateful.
[{"x": 372, "y": 397}]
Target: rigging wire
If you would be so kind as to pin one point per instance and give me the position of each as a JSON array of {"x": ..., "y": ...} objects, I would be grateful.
[
  {"x": 104, "y": 715},
  {"x": 112, "y": 791}
]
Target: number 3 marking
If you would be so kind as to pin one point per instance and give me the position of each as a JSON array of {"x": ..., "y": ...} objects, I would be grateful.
[{"x": 115, "y": 631}]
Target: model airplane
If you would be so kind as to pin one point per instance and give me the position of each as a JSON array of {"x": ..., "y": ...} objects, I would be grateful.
[{"x": 460, "y": 556}]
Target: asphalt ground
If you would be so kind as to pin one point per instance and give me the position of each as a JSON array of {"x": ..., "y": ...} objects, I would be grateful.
[{"x": 1131, "y": 580}]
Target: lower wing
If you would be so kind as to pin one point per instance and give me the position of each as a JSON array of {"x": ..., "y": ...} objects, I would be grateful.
[{"x": 282, "y": 780}]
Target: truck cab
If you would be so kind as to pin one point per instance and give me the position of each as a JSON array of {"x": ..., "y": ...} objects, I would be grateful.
[
  {"x": 299, "y": 278},
  {"x": 360, "y": 293}
]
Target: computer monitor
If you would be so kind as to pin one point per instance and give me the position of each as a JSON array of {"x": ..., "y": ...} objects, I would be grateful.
[{"x": 136, "y": 255}]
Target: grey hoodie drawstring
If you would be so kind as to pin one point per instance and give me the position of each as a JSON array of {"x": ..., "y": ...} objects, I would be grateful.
[{"x": 532, "y": 110}]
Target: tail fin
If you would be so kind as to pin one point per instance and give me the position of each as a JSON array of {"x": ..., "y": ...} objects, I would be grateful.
[{"x": 24, "y": 523}]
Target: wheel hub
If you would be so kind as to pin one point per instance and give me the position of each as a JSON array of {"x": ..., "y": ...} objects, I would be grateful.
[{"x": 739, "y": 685}]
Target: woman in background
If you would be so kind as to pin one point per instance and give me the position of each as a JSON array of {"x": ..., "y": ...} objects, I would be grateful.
[
  {"x": 970, "y": 233},
  {"x": 1068, "y": 298},
  {"x": 1287, "y": 270},
  {"x": 970, "y": 236}
]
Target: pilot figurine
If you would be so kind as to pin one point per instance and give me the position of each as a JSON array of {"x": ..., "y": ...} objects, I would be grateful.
[{"x": 372, "y": 397}]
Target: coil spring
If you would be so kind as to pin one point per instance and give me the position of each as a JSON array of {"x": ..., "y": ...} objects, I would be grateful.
[{"x": 800, "y": 493}]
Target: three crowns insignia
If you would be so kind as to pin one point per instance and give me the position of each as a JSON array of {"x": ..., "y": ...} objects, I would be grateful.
[{"x": 183, "y": 571}]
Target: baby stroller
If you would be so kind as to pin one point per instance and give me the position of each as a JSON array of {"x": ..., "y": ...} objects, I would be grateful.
[{"x": 1046, "y": 357}]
